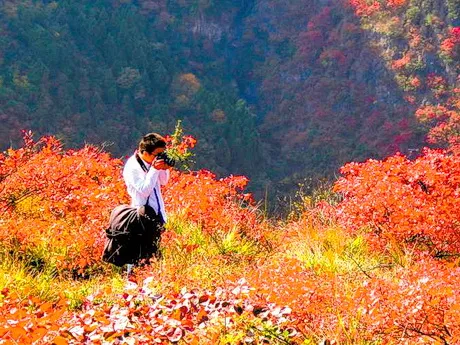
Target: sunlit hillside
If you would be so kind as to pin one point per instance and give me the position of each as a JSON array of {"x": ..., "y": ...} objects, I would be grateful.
[
  {"x": 373, "y": 261},
  {"x": 280, "y": 91},
  {"x": 346, "y": 113}
]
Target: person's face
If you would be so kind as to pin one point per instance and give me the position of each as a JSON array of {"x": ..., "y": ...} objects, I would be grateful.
[{"x": 150, "y": 157}]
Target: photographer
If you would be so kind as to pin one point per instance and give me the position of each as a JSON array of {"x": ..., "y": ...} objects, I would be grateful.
[{"x": 144, "y": 174}]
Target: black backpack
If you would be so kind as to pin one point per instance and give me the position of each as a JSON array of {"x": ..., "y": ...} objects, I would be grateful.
[{"x": 133, "y": 235}]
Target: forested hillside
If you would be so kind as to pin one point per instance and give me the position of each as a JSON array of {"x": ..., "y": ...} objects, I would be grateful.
[
  {"x": 343, "y": 79},
  {"x": 276, "y": 90}
]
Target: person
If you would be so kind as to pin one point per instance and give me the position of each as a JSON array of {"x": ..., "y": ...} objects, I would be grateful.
[{"x": 144, "y": 173}]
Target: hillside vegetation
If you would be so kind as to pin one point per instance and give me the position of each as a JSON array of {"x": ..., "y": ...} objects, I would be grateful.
[
  {"x": 374, "y": 261},
  {"x": 276, "y": 90},
  {"x": 283, "y": 92}
]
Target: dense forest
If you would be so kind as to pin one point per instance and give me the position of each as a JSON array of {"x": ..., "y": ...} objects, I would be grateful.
[{"x": 277, "y": 90}]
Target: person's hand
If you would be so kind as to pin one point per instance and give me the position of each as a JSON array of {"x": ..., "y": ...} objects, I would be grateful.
[{"x": 160, "y": 164}]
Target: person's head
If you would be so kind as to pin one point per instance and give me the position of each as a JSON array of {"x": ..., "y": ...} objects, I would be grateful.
[{"x": 150, "y": 146}]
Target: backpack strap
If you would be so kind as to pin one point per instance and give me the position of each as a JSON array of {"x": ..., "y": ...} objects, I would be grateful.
[
  {"x": 144, "y": 167},
  {"x": 141, "y": 163}
]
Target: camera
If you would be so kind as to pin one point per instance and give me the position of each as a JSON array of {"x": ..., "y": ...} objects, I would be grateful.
[{"x": 166, "y": 158}]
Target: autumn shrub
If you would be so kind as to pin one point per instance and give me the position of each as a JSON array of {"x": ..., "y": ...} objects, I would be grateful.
[
  {"x": 419, "y": 305},
  {"x": 218, "y": 206},
  {"x": 55, "y": 203},
  {"x": 55, "y": 206},
  {"x": 372, "y": 304},
  {"x": 412, "y": 202}
]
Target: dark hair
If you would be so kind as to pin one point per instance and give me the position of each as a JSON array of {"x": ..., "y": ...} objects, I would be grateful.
[{"x": 150, "y": 142}]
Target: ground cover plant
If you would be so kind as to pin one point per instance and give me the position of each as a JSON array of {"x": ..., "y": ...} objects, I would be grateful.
[{"x": 378, "y": 265}]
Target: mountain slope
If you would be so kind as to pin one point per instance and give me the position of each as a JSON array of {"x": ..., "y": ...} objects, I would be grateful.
[{"x": 274, "y": 90}]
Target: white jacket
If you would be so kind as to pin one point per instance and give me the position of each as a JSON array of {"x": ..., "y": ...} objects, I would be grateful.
[{"x": 145, "y": 186}]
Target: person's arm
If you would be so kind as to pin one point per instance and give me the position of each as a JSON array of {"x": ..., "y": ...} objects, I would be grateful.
[
  {"x": 163, "y": 177},
  {"x": 142, "y": 183},
  {"x": 163, "y": 168}
]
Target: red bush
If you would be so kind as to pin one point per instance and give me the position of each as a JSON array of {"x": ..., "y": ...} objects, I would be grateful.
[
  {"x": 410, "y": 201},
  {"x": 58, "y": 201}
]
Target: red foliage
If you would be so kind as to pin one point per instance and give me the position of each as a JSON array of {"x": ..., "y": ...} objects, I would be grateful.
[
  {"x": 315, "y": 37},
  {"x": 437, "y": 84},
  {"x": 407, "y": 201},
  {"x": 414, "y": 306},
  {"x": 401, "y": 63},
  {"x": 451, "y": 45},
  {"x": 419, "y": 305},
  {"x": 58, "y": 199},
  {"x": 28, "y": 321},
  {"x": 309, "y": 42},
  {"x": 367, "y": 8},
  {"x": 216, "y": 204},
  {"x": 396, "y": 3},
  {"x": 364, "y": 7},
  {"x": 443, "y": 120}
]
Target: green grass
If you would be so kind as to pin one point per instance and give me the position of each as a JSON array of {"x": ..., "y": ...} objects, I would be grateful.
[
  {"x": 205, "y": 258},
  {"x": 18, "y": 275},
  {"x": 332, "y": 251}
]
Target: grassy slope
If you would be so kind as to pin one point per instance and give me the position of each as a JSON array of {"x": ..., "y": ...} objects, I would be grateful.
[{"x": 314, "y": 246}]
